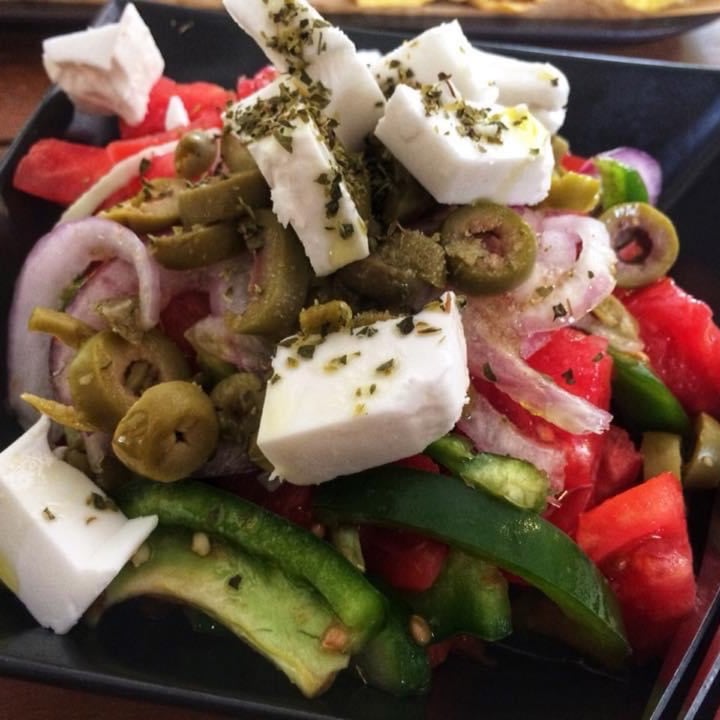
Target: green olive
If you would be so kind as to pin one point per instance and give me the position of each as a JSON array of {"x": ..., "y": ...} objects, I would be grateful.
[
  {"x": 489, "y": 248},
  {"x": 108, "y": 374},
  {"x": 322, "y": 318},
  {"x": 154, "y": 208},
  {"x": 195, "y": 154},
  {"x": 662, "y": 452},
  {"x": 281, "y": 278},
  {"x": 644, "y": 240},
  {"x": 199, "y": 246},
  {"x": 702, "y": 470},
  {"x": 168, "y": 433},
  {"x": 68, "y": 329},
  {"x": 235, "y": 154},
  {"x": 238, "y": 402},
  {"x": 573, "y": 191},
  {"x": 219, "y": 199}
]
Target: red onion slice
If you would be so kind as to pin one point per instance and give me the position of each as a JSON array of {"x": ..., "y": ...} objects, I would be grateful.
[
  {"x": 645, "y": 164},
  {"x": 491, "y": 431},
  {"x": 53, "y": 264}
]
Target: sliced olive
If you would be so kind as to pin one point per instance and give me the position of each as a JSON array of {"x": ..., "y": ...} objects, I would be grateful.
[
  {"x": 108, "y": 374},
  {"x": 221, "y": 199},
  {"x": 195, "y": 154},
  {"x": 662, "y": 452},
  {"x": 68, "y": 329},
  {"x": 322, "y": 318},
  {"x": 644, "y": 240},
  {"x": 489, "y": 248},
  {"x": 280, "y": 281},
  {"x": 198, "y": 246},
  {"x": 235, "y": 154},
  {"x": 420, "y": 253},
  {"x": 238, "y": 402},
  {"x": 168, "y": 433},
  {"x": 573, "y": 191},
  {"x": 154, "y": 208},
  {"x": 702, "y": 470}
]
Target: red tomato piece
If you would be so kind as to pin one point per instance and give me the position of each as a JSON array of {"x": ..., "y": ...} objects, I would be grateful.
[
  {"x": 180, "y": 314},
  {"x": 404, "y": 559},
  {"x": 201, "y": 97},
  {"x": 620, "y": 465},
  {"x": 154, "y": 120},
  {"x": 578, "y": 363},
  {"x": 653, "y": 508},
  {"x": 420, "y": 462},
  {"x": 60, "y": 171},
  {"x": 682, "y": 342},
  {"x": 578, "y": 164},
  {"x": 248, "y": 85}
]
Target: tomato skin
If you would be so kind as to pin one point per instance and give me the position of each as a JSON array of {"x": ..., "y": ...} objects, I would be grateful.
[
  {"x": 579, "y": 364},
  {"x": 403, "y": 559},
  {"x": 59, "y": 170},
  {"x": 248, "y": 85},
  {"x": 180, "y": 314},
  {"x": 201, "y": 99},
  {"x": 578, "y": 164},
  {"x": 639, "y": 540},
  {"x": 682, "y": 342},
  {"x": 419, "y": 462}
]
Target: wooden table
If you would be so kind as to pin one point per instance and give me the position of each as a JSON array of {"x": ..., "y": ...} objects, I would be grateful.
[{"x": 22, "y": 83}]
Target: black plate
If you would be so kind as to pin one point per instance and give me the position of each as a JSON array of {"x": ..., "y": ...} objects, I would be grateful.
[{"x": 671, "y": 111}]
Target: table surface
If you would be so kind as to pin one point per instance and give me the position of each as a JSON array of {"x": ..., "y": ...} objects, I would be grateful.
[{"x": 22, "y": 83}]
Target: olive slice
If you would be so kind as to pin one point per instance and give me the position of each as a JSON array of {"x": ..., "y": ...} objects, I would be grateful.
[
  {"x": 489, "y": 248},
  {"x": 645, "y": 241},
  {"x": 702, "y": 470}
]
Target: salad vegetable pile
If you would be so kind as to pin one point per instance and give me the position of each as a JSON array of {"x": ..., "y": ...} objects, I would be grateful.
[{"x": 357, "y": 358}]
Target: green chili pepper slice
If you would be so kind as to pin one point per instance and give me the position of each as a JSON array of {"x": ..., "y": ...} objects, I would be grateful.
[
  {"x": 662, "y": 452},
  {"x": 199, "y": 506},
  {"x": 620, "y": 183},
  {"x": 642, "y": 400},
  {"x": 198, "y": 246},
  {"x": 517, "y": 481},
  {"x": 515, "y": 540}
]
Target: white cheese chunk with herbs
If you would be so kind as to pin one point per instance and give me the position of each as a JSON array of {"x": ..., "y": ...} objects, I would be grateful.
[
  {"x": 297, "y": 39},
  {"x": 442, "y": 51},
  {"x": 540, "y": 85},
  {"x": 308, "y": 185},
  {"x": 62, "y": 539},
  {"x": 354, "y": 400},
  {"x": 109, "y": 69},
  {"x": 462, "y": 152}
]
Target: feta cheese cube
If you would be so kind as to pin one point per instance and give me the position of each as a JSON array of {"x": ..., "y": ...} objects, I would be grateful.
[
  {"x": 176, "y": 114},
  {"x": 308, "y": 183},
  {"x": 441, "y": 51},
  {"x": 62, "y": 540},
  {"x": 462, "y": 152},
  {"x": 109, "y": 69},
  {"x": 353, "y": 400},
  {"x": 297, "y": 39}
]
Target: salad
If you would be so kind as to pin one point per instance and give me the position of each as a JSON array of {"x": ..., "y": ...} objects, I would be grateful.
[{"x": 455, "y": 357}]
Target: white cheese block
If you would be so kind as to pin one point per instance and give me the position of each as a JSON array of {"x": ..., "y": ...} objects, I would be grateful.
[
  {"x": 304, "y": 176},
  {"x": 176, "y": 114},
  {"x": 503, "y": 154},
  {"x": 109, "y": 69},
  {"x": 441, "y": 50},
  {"x": 540, "y": 85},
  {"x": 365, "y": 397},
  {"x": 296, "y": 38},
  {"x": 62, "y": 540}
]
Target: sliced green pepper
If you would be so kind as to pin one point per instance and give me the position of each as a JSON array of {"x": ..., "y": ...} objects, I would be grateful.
[
  {"x": 661, "y": 452},
  {"x": 249, "y": 595},
  {"x": 515, "y": 540},
  {"x": 469, "y": 596},
  {"x": 642, "y": 400},
  {"x": 199, "y": 506},
  {"x": 198, "y": 246},
  {"x": 702, "y": 470},
  {"x": 620, "y": 183},
  {"x": 517, "y": 481}
]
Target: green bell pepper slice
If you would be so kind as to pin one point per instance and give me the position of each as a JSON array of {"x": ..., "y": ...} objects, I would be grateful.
[
  {"x": 515, "y": 540},
  {"x": 620, "y": 183}
]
